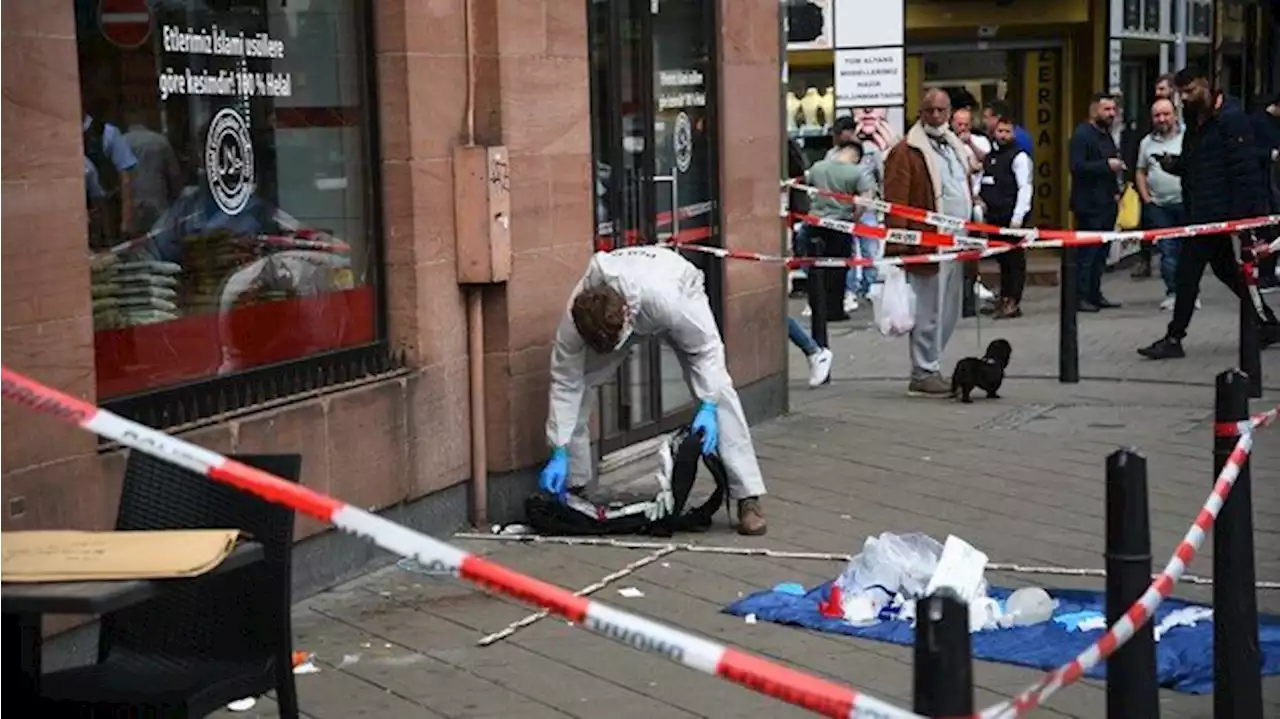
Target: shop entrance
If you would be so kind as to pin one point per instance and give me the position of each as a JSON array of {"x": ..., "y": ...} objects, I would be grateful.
[
  {"x": 1029, "y": 77},
  {"x": 656, "y": 162}
]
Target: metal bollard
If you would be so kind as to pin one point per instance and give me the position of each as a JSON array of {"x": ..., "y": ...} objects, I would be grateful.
[
  {"x": 943, "y": 684},
  {"x": 1237, "y": 662},
  {"x": 1132, "y": 689},
  {"x": 1068, "y": 334},
  {"x": 1250, "y": 349}
]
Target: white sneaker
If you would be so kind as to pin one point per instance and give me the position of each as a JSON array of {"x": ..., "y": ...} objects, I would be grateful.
[
  {"x": 1170, "y": 301},
  {"x": 807, "y": 311},
  {"x": 850, "y": 302},
  {"x": 820, "y": 367}
]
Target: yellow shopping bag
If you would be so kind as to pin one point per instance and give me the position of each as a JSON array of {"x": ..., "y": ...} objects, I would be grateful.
[{"x": 1130, "y": 215}]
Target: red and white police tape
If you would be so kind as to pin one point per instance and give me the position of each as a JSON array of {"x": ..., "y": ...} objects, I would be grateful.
[
  {"x": 814, "y": 694},
  {"x": 794, "y": 262},
  {"x": 1235, "y": 429},
  {"x": 950, "y": 224},
  {"x": 794, "y": 687},
  {"x": 1144, "y": 609}
]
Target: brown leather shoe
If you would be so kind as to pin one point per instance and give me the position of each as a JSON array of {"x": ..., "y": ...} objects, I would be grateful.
[{"x": 750, "y": 519}]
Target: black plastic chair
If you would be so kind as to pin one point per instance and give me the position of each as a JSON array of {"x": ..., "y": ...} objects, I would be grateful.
[{"x": 203, "y": 642}]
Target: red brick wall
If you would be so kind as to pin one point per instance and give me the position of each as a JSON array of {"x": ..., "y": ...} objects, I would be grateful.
[
  {"x": 380, "y": 444},
  {"x": 44, "y": 288},
  {"x": 751, "y": 168}
]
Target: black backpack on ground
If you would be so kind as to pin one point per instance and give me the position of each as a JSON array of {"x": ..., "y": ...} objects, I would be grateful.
[{"x": 579, "y": 517}]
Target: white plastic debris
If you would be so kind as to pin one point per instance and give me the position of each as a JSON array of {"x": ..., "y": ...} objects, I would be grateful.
[
  {"x": 1027, "y": 606},
  {"x": 630, "y": 592},
  {"x": 962, "y": 569},
  {"x": 1185, "y": 617},
  {"x": 307, "y": 667},
  {"x": 242, "y": 705},
  {"x": 348, "y": 660}
]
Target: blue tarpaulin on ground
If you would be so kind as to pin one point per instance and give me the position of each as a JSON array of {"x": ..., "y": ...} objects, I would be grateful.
[{"x": 1184, "y": 655}]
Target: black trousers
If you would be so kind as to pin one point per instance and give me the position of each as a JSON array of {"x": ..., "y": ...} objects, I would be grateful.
[
  {"x": 1013, "y": 264},
  {"x": 1267, "y": 265},
  {"x": 1092, "y": 259},
  {"x": 1218, "y": 253},
  {"x": 832, "y": 243}
]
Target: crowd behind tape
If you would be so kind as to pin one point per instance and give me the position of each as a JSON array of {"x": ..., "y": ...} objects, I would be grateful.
[{"x": 953, "y": 245}]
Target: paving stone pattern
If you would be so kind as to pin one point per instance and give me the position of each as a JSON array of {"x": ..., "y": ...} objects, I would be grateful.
[{"x": 1021, "y": 478}]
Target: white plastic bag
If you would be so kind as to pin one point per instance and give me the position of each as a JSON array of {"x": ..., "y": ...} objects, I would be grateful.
[
  {"x": 895, "y": 304},
  {"x": 888, "y": 565}
]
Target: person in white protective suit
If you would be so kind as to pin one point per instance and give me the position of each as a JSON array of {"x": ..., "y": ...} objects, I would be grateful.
[{"x": 627, "y": 295}]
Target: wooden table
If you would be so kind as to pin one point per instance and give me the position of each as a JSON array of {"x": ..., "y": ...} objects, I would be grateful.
[{"x": 25, "y": 604}]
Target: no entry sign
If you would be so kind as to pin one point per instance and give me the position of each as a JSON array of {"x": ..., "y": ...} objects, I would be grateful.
[{"x": 126, "y": 23}]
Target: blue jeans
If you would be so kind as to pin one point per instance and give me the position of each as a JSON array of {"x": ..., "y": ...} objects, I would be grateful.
[
  {"x": 800, "y": 338},
  {"x": 1157, "y": 217},
  {"x": 859, "y": 279},
  {"x": 802, "y": 246}
]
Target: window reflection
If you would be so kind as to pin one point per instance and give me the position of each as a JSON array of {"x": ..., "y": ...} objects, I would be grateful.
[{"x": 225, "y": 155}]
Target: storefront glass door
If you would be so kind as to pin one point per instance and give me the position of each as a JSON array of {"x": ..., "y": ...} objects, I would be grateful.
[{"x": 654, "y": 144}]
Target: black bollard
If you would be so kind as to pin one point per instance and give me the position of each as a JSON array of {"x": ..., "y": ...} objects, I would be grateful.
[
  {"x": 943, "y": 685},
  {"x": 1068, "y": 337},
  {"x": 1132, "y": 689},
  {"x": 1237, "y": 662},
  {"x": 1250, "y": 350}
]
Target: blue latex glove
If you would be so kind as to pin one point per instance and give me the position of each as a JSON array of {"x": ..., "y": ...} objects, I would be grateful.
[
  {"x": 706, "y": 422},
  {"x": 553, "y": 476}
]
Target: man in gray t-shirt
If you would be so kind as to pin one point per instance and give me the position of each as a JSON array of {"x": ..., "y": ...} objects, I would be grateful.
[
  {"x": 1161, "y": 191},
  {"x": 843, "y": 173}
]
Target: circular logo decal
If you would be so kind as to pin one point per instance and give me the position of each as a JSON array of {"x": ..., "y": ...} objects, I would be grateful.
[
  {"x": 682, "y": 138},
  {"x": 228, "y": 161}
]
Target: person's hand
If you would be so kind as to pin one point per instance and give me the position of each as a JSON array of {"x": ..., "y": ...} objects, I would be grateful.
[
  {"x": 554, "y": 475},
  {"x": 885, "y": 135},
  {"x": 1116, "y": 164},
  {"x": 1275, "y": 155},
  {"x": 706, "y": 422},
  {"x": 1016, "y": 224}
]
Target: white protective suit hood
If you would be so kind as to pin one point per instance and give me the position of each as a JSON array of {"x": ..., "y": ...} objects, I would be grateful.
[{"x": 665, "y": 296}]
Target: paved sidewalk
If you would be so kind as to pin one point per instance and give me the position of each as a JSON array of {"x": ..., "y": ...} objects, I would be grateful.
[{"x": 1020, "y": 478}]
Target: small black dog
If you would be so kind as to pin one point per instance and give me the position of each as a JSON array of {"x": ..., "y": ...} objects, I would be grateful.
[{"x": 985, "y": 373}]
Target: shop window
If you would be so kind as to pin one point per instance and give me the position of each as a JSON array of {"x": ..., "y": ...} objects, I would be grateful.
[{"x": 228, "y": 160}]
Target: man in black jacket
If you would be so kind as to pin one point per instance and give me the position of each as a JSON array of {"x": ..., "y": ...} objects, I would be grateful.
[
  {"x": 1096, "y": 169},
  {"x": 1266, "y": 131},
  {"x": 1221, "y": 180},
  {"x": 1006, "y": 195}
]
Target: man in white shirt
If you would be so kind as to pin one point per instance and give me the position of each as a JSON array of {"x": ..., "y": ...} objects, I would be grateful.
[
  {"x": 976, "y": 146},
  {"x": 1161, "y": 191},
  {"x": 156, "y": 180},
  {"x": 108, "y": 166},
  {"x": 1006, "y": 197}
]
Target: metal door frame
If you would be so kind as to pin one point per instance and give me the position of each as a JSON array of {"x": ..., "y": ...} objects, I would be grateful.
[{"x": 643, "y": 74}]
